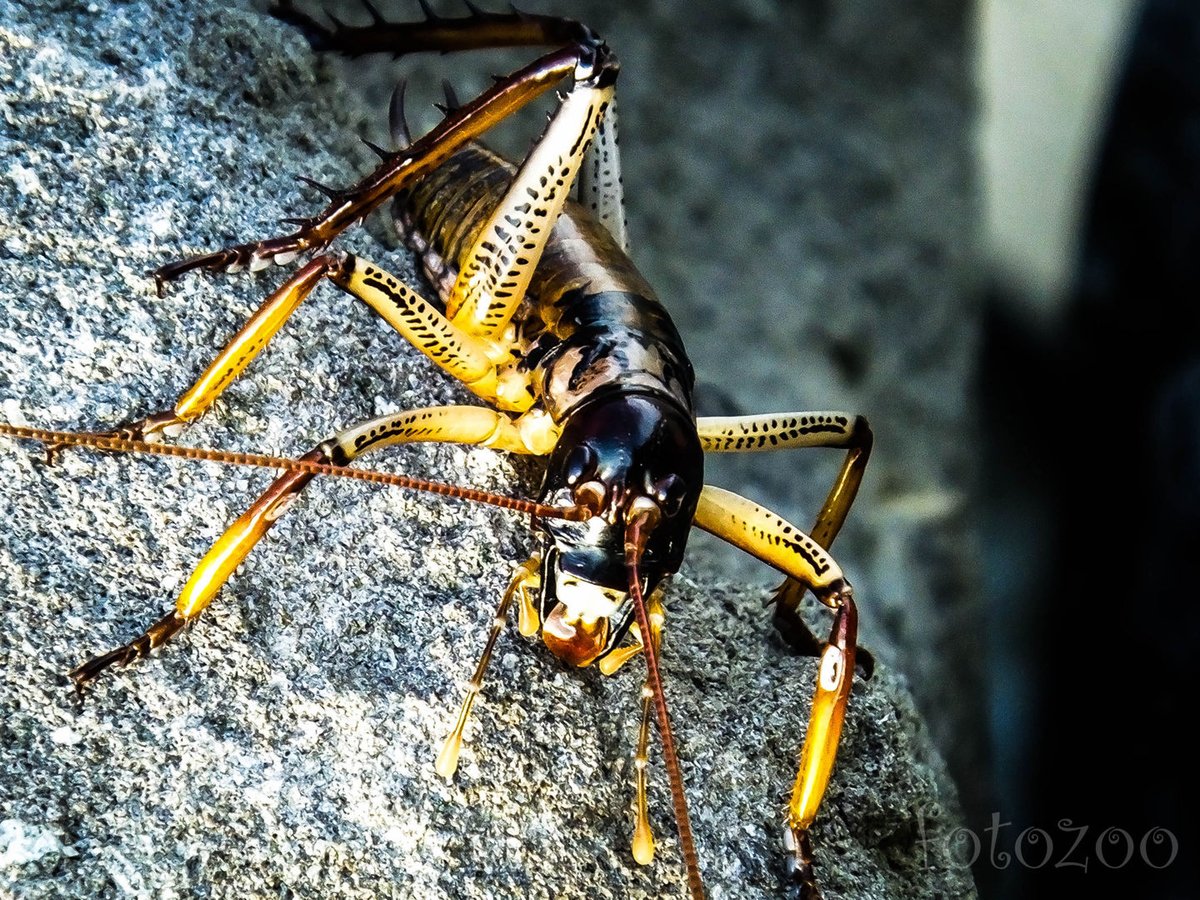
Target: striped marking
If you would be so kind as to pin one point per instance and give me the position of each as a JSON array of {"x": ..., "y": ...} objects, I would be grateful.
[{"x": 770, "y": 432}]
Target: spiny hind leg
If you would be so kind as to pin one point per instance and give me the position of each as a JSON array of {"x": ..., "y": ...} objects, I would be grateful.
[
  {"x": 451, "y": 424},
  {"x": 782, "y": 431},
  {"x": 600, "y": 186},
  {"x": 581, "y": 55},
  {"x": 497, "y": 269},
  {"x": 766, "y": 536}
]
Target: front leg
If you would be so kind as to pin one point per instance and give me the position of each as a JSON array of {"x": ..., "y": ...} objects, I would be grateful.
[
  {"x": 763, "y": 534},
  {"x": 469, "y": 425}
]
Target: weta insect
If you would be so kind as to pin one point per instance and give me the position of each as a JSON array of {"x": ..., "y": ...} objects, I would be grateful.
[{"x": 545, "y": 319}]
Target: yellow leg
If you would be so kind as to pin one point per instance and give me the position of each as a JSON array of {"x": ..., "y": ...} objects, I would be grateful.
[
  {"x": 835, "y": 675},
  {"x": 497, "y": 270},
  {"x": 643, "y": 837},
  {"x": 251, "y": 339},
  {"x": 457, "y": 424},
  {"x": 583, "y": 60},
  {"x": 768, "y": 537},
  {"x": 781, "y": 431},
  {"x": 484, "y": 366},
  {"x": 241, "y": 350},
  {"x": 609, "y": 664},
  {"x": 600, "y": 187},
  {"x": 447, "y": 760},
  {"x": 765, "y": 535}
]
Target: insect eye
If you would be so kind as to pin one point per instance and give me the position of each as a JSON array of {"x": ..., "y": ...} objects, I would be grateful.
[
  {"x": 581, "y": 464},
  {"x": 668, "y": 493},
  {"x": 590, "y": 496}
]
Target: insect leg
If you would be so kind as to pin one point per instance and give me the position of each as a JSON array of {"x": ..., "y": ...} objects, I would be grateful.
[
  {"x": 766, "y": 536},
  {"x": 643, "y": 837},
  {"x": 241, "y": 350},
  {"x": 583, "y": 55},
  {"x": 780, "y": 431},
  {"x": 609, "y": 664},
  {"x": 524, "y": 578},
  {"x": 463, "y": 356},
  {"x": 478, "y": 363},
  {"x": 496, "y": 271},
  {"x": 440, "y": 34},
  {"x": 600, "y": 187},
  {"x": 453, "y": 424}
]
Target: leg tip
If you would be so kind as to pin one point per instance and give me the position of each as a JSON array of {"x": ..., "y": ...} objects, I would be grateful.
[
  {"x": 643, "y": 843},
  {"x": 800, "y": 862},
  {"x": 447, "y": 760},
  {"x": 82, "y": 674}
]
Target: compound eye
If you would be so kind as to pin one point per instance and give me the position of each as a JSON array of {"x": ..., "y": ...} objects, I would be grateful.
[
  {"x": 581, "y": 464},
  {"x": 590, "y": 496},
  {"x": 668, "y": 493}
]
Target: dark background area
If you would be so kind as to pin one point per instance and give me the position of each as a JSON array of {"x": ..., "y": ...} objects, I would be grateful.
[{"x": 1092, "y": 474}]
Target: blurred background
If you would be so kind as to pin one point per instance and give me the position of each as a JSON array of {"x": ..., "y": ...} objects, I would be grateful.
[
  {"x": 1090, "y": 151},
  {"x": 1090, "y": 161}
]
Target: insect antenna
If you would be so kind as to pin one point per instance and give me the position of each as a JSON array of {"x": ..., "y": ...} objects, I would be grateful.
[
  {"x": 54, "y": 439},
  {"x": 636, "y": 530}
]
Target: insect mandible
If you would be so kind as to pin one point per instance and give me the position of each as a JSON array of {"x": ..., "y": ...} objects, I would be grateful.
[{"x": 579, "y": 365}]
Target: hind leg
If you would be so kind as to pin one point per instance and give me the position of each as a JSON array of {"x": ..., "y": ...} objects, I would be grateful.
[{"x": 582, "y": 57}]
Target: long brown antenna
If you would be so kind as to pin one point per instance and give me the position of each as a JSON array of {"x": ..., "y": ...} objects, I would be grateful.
[
  {"x": 263, "y": 461},
  {"x": 635, "y": 544}
]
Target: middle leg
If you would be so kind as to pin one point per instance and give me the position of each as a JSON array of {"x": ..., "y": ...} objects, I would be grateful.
[
  {"x": 454, "y": 424},
  {"x": 482, "y": 366},
  {"x": 783, "y": 431},
  {"x": 766, "y": 536}
]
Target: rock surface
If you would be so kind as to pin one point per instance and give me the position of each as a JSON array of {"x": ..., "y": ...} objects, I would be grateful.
[{"x": 284, "y": 746}]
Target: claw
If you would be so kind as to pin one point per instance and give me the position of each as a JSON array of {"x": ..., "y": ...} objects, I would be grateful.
[
  {"x": 86, "y": 672},
  {"x": 800, "y": 862},
  {"x": 158, "y": 633}
]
